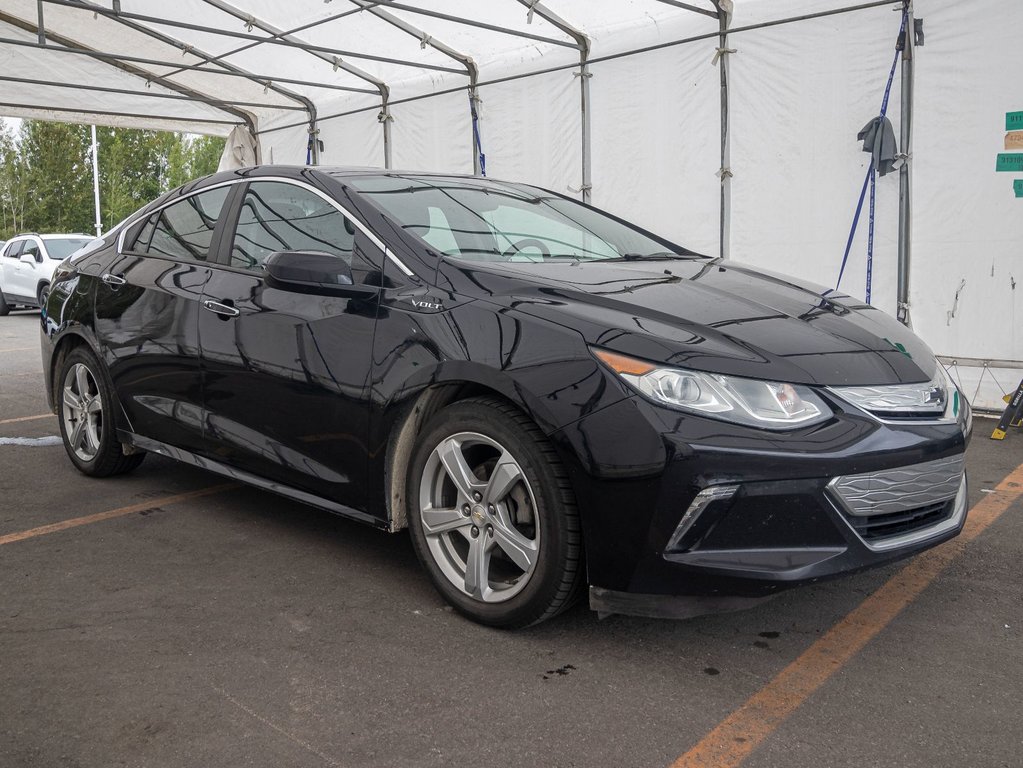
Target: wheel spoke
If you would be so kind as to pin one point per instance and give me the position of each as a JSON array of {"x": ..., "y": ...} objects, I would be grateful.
[
  {"x": 504, "y": 477},
  {"x": 77, "y": 434},
  {"x": 94, "y": 406},
  {"x": 91, "y": 436},
  {"x": 521, "y": 550},
  {"x": 477, "y": 568},
  {"x": 71, "y": 401},
  {"x": 438, "y": 521},
  {"x": 450, "y": 453},
  {"x": 82, "y": 380}
]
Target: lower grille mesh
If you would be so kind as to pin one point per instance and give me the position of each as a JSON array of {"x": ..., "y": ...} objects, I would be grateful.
[{"x": 880, "y": 527}]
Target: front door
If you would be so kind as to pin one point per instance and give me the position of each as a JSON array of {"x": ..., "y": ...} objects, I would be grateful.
[
  {"x": 10, "y": 267},
  {"x": 286, "y": 390},
  {"x": 27, "y": 271}
]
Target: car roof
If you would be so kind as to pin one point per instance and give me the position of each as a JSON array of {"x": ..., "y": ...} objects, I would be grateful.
[{"x": 68, "y": 236}]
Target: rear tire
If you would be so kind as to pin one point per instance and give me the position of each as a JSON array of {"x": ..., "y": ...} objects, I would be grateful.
[
  {"x": 492, "y": 515},
  {"x": 85, "y": 409}
]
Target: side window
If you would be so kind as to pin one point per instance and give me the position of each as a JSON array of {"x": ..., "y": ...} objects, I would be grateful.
[
  {"x": 276, "y": 216},
  {"x": 14, "y": 249},
  {"x": 183, "y": 230}
]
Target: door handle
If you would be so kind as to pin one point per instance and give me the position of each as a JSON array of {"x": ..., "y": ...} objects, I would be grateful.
[
  {"x": 110, "y": 279},
  {"x": 224, "y": 310}
]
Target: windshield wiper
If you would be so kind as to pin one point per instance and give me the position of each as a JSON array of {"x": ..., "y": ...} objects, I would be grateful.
[{"x": 663, "y": 256}]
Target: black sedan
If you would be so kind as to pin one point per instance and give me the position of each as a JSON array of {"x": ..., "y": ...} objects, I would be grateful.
[{"x": 546, "y": 396}]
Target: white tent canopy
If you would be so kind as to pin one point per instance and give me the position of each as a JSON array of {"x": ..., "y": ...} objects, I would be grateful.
[{"x": 626, "y": 103}]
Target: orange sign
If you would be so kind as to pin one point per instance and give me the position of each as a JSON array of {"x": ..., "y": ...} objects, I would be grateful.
[{"x": 1014, "y": 140}]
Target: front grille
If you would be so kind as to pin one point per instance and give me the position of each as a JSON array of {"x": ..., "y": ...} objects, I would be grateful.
[
  {"x": 894, "y": 507},
  {"x": 900, "y": 489},
  {"x": 881, "y": 527}
]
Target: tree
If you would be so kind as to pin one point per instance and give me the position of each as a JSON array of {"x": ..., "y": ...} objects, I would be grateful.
[
  {"x": 56, "y": 172},
  {"x": 12, "y": 184},
  {"x": 46, "y": 173}
]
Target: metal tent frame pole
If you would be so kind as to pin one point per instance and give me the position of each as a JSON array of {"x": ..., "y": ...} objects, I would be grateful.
[
  {"x": 149, "y": 94},
  {"x": 73, "y": 46},
  {"x": 428, "y": 40},
  {"x": 334, "y": 61},
  {"x": 280, "y": 39},
  {"x": 724, "y": 8},
  {"x": 906, "y": 172},
  {"x": 582, "y": 43}
]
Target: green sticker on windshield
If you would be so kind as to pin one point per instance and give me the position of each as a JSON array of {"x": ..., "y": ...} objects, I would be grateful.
[
  {"x": 1009, "y": 161},
  {"x": 900, "y": 347}
]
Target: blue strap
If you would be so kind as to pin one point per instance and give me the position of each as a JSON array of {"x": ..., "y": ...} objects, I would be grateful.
[
  {"x": 855, "y": 223},
  {"x": 871, "y": 177},
  {"x": 870, "y": 232}
]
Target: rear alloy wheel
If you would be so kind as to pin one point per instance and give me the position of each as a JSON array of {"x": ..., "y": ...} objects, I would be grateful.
[
  {"x": 84, "y": 406},
  {"x": 492, "y": 516}
]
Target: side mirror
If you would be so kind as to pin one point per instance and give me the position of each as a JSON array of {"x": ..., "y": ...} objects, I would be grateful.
[
  {"x": 31, "y": 255},
  {"x": 308, "y": 272}
]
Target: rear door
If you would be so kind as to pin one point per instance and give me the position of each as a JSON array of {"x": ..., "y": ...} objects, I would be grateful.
[
  {"x": 286, "y": 374},
  {"x": 147, "y": 308}
]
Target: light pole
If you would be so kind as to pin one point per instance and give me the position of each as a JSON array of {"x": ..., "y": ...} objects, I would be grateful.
[{"x": 95, "y": 181}]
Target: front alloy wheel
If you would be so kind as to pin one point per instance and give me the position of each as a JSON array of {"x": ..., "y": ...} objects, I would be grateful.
[
  {"x": 479, "y": 517},
  {"x": 492, "y": 515}
]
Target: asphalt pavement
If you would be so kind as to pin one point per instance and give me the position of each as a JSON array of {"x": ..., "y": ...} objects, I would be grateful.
[{"x": 237, "y": 628}]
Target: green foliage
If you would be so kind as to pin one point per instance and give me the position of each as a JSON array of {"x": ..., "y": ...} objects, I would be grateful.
[{"x": 46, "y": 173}]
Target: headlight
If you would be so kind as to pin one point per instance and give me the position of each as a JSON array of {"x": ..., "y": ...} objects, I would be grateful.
[{"x": 755, "y": 403}]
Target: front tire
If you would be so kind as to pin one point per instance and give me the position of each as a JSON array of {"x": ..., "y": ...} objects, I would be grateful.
[
  {"x": 5, "y": 308},
  {"x": 492, "y": 515},
  {"x": 85, "y": 409}
]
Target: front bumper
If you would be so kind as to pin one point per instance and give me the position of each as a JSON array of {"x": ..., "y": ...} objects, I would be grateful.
[{"x": 683, "y": 515}]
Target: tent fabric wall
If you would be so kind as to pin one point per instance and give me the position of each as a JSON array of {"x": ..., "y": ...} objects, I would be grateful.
[
  {"x": 800, "y": 90},
  {"x": 656, "y": 142},
  {"x": 966, "y": 289},
  {"x": 800, "y": 94}
]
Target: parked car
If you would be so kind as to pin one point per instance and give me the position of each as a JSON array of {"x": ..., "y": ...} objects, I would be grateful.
[
  {"x": 27, "y": 264},
  {"x": 544, "y": 394}
]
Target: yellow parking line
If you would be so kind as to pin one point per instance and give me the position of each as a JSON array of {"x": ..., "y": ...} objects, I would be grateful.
[
  {"x": 10, "y": 538},
  {"x": 732, "y": 741},
  {"x": 26, "y": 418}
]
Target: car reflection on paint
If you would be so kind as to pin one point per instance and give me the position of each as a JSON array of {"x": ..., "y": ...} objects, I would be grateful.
[{"x": 550, "y": 399}]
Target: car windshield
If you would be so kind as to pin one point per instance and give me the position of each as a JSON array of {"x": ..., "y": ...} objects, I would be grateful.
[
  {"x": 60, "y": 248},
  {"x": 482, "y": 220}
]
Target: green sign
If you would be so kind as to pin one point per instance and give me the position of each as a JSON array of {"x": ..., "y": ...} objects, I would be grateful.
[
  {"x": 1017, "y": 185},
  {"x": 1010, "y": 161},
  {"x": 1014, "y": 121}
]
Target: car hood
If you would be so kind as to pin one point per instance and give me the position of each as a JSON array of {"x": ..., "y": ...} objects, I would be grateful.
[{"x": 713, "y": 315}]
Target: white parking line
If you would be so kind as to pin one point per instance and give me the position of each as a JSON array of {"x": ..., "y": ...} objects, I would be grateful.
[{"x": 32, "y": 441}]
